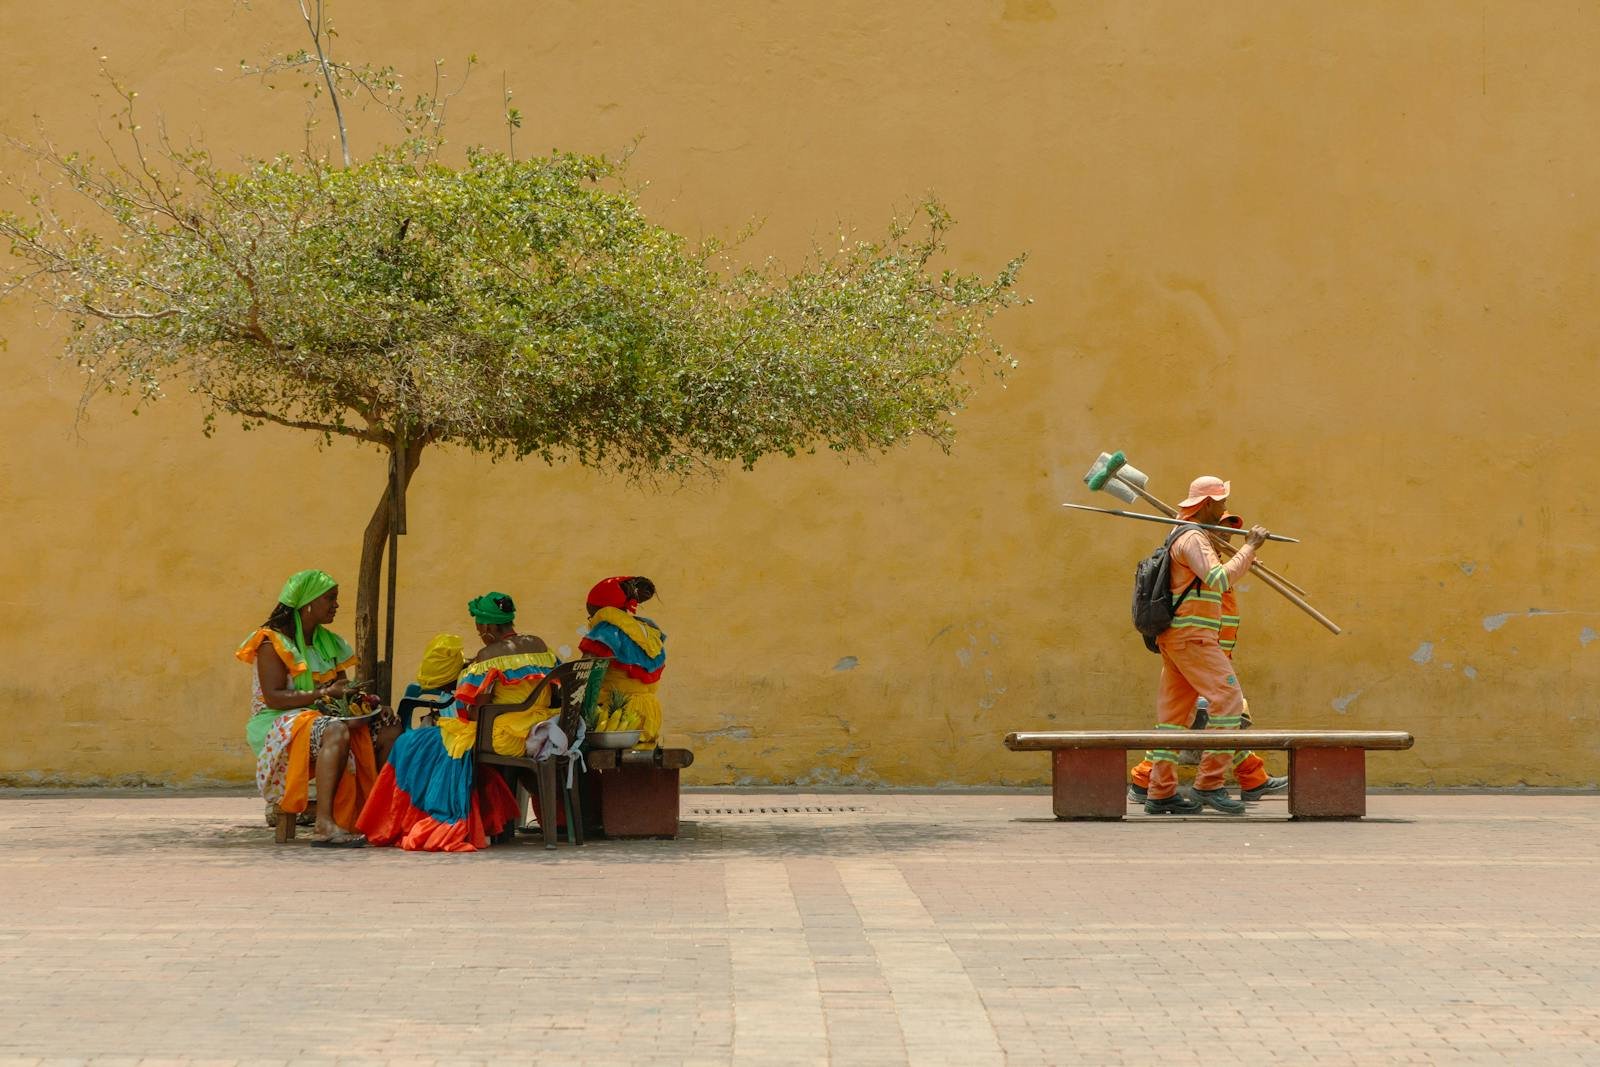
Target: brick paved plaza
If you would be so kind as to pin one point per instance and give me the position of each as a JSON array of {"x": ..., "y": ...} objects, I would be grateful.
[{"x": 908, "y": 928}]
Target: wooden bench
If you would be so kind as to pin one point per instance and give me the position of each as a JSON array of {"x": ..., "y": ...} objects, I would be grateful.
[
  {"x": 635, "y": 791},
  {"x": 1327, "y": 768}
]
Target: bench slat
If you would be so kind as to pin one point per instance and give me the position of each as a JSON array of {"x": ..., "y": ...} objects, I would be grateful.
[{"x": 1222, "y": 740}]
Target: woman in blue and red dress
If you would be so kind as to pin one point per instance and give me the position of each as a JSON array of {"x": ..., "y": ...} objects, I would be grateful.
[
  {"x": 427, "y": 799},
  {"x": 636, "y": 647}
]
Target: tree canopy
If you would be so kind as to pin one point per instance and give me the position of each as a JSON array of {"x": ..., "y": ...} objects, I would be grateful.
[{"x": 512, "y": 307}]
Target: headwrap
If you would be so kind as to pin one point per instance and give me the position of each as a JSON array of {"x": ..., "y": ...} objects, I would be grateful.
[
  {"x": 492, "y": 609},
  {"x": 301, "y": 589},
  {"x": 610, "y": 594},
  {"x": 441, "y": 663}
]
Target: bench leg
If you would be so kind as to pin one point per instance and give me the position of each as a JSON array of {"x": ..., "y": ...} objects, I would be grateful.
[
  {"x": 639, "y": 802},
  {"x": 1089, "y": 783},
  {"x": 1327, "y": 783},
  {"x": 283, "y": 827}
]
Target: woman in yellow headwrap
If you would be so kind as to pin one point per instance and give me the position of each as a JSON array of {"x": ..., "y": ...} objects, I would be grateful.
[
  {"x": 429, "y": 798},
  {"x": 435, "y": 685},
  {"x": 290, "y": 734}
]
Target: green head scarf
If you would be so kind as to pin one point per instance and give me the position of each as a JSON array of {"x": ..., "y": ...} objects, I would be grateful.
[
  {"x": 301, "y": 589},
  {"x": 492, "y": 609}
]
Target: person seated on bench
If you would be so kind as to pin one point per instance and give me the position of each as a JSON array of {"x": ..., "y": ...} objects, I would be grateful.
[
  {"x": 635, "y": 646},
  {"x": 289, "y": 733},
  {"x": 435, "y": 684},
  {"x": 430, "y": 798}
]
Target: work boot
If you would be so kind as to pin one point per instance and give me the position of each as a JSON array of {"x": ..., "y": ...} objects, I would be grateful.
[
  {"x": 1138, "y": 793},
  {"x": 1271, "y": 785},
  {"x": 1219, "y": 800},
  {"x": 1176, "y": 804}
]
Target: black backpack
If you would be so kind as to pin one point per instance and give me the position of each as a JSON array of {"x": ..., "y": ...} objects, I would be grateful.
[{"x": 1153, "y": 606}]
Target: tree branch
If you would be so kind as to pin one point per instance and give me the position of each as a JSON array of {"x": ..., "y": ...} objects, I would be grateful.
[
  {"x": 327, "y": 76},
  {"x": 301, "y": 424},
  {"x": 120, "y": 316}
]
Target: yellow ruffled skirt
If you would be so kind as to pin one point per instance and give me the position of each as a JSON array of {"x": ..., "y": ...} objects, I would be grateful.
[{"x": 617, "y": 688}]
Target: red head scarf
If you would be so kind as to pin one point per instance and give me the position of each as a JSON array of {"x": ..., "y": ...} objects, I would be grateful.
[{"x": 610, "y": 594}]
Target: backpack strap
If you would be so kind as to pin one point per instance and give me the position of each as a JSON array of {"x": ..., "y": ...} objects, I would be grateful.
[{"x": 1172, "y": 537}]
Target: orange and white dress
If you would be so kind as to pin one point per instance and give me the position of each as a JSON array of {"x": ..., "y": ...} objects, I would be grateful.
[{"x": 287, "y": 743}]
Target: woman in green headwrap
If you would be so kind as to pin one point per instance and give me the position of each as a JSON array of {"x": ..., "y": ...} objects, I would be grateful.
[
  {"x": 288, "y": 729},
  {"x": 429, "y": 798},
  {"x": 510, "y": 664}
]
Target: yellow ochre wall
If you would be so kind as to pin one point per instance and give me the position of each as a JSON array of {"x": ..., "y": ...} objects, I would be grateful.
[{"x": 1343, "y": 254}]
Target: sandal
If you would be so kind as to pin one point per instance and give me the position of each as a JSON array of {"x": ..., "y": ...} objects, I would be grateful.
[{"x": 342, "y": 841}]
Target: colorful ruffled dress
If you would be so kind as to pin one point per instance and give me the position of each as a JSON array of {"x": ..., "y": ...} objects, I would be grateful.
[
  {"x": 287, "y": 743},
  {"x": 427, "y": 798},
  {"x": 638, "y": 652}
]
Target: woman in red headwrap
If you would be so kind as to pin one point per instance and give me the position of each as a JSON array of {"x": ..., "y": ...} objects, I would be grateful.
[{"x": 635, "y": 646}]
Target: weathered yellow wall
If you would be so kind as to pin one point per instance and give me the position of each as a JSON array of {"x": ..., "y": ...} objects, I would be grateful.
[{"x": 1343, "y": 254}]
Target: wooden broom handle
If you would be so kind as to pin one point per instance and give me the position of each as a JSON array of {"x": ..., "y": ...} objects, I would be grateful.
[{"x": 1280, "y": 584}]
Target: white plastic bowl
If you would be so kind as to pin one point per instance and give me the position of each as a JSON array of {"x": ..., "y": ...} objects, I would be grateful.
[{"x": 614, "y": 739}]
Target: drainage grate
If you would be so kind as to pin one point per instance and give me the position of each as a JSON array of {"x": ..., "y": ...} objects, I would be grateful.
[{"x": 825, "y": 810}]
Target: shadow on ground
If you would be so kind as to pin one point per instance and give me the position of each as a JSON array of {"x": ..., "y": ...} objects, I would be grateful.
[{"x": 717, "y": 838}]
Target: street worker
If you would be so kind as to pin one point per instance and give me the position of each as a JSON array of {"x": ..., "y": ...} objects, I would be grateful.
[
  {"x": 1248, "y": 769},
  {"x": 636, "y": 648},
  {"x": 299, "y": 699},
  {"x": 1193, "y": 663}
]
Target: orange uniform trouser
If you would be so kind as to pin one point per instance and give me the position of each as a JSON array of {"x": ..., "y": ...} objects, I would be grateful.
[
  {"x": 1193, "y": 665},
  {"x": 1248, "y": 770}
]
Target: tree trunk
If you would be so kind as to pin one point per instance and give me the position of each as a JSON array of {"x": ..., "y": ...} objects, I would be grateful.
[{"x": 374, "y": 542}]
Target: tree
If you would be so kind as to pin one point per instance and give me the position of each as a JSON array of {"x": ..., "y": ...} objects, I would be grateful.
[{"x": 514, "y": 308}]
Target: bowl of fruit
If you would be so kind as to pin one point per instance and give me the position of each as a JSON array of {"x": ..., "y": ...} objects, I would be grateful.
[
  {"x": 614, "y": 738},
  {"x": 354, "y": 707},
  {"x": 616, "y": 727}
]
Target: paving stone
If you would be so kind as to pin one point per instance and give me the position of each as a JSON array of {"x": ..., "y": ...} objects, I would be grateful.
[{"x": 920, "y": 928}]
